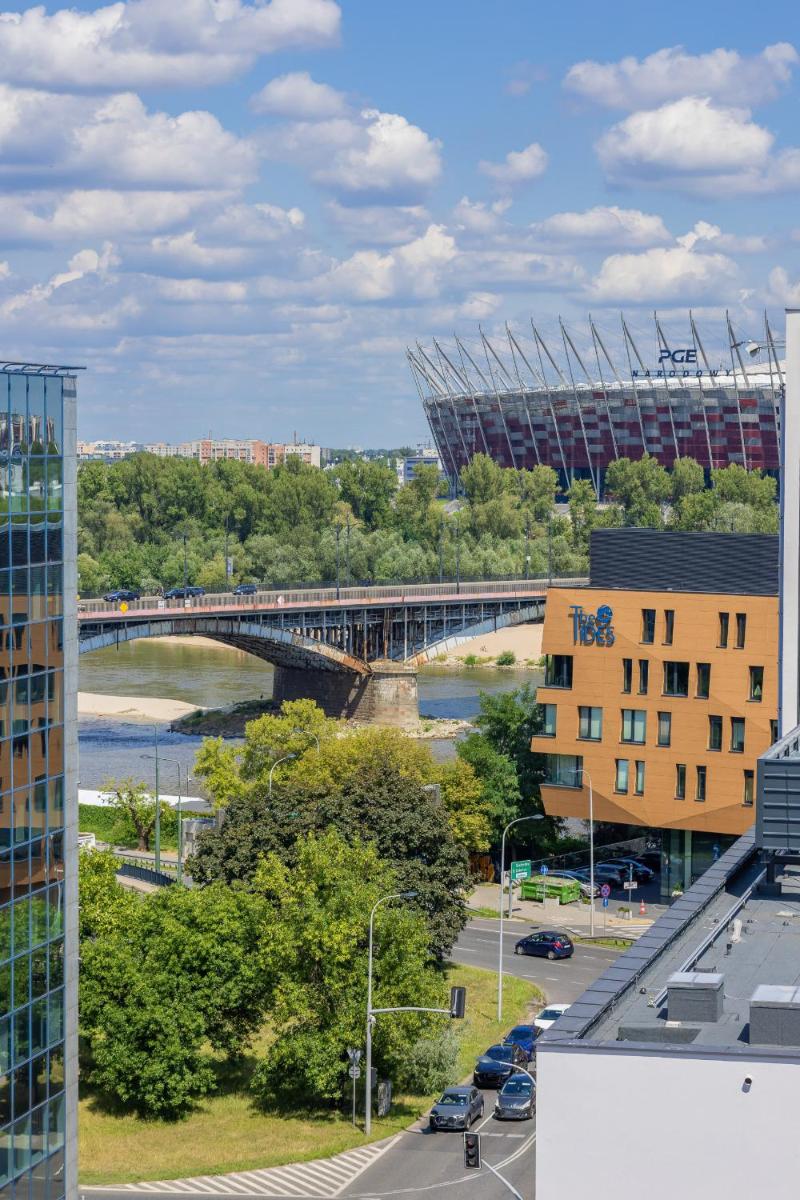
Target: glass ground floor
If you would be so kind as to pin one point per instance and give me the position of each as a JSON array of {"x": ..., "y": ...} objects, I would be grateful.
[{"x": 685, "y": 855}]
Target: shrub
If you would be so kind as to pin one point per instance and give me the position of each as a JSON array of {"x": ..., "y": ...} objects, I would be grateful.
[
  {"x": 506, "y": 659},
  {"x": 471, "y": 660},
  {"x": 430, "y": 1064}
]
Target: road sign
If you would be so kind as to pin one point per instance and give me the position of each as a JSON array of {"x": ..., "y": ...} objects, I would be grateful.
[
  {"x": 605, "y": 891},
  {"x": 123, "y": 608},
  {"x": 354, "y": 1071},
  {"x": 353, "y": 1054},
  {"x": 521, "y": 869},
  {"x": 543, "y": 869},
  {"x": 605, "y": 901},
  {"x": 629, "y": 885}
]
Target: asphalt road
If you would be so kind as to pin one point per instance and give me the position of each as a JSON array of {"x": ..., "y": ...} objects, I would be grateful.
[{"x": 562, "y": 980}]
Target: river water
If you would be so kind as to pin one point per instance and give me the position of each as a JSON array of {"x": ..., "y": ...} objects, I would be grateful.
[{"x": 213, "y": 677}]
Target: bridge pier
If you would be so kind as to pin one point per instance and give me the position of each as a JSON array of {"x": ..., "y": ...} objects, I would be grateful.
[{"x": 388, "y": 696}]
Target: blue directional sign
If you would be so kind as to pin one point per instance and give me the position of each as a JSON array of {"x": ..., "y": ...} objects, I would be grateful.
[
  {"x": 605, "y": 901},
  {"x": 543, "y": 869}
]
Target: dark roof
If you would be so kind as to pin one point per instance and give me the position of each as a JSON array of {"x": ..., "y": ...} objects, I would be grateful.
[{"x": 653, "y": 560}]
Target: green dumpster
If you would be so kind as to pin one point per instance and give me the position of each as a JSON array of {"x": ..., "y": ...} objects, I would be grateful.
[{"x": 550, "y": 887}]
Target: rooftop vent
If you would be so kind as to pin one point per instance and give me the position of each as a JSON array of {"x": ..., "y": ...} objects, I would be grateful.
[
  {"x": 775, "y": 1015},
  {"x": 694, "y": 996}
]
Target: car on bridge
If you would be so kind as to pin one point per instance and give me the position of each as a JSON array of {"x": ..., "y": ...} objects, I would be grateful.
[
  {"x": 184, "y": 593},
  {"x": 120, "y": 594},
  {"x": 245, "y": 589},
  {"x": 456, "y": 1108}
]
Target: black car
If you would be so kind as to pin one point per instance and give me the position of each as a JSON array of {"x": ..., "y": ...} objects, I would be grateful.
[
  {"x": 499, "y": 1062},
  {"x": 516, "y": 1099},
  {"x": 456, "y": 1108},
  {"x": 120, "y": 594},
  {"x": 547, "y": 944},
  {"x": 641, "y": 873},
  {"x": 245, "y": 589},
  {"x": 183, "y": 593}
]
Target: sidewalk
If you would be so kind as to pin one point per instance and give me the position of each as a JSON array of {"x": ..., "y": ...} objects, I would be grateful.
[{"x": 575, "y": 917}]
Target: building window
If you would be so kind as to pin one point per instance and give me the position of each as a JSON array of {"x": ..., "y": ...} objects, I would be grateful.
[
  {"x": 676, "y": 679},
  {"x": 563, "y": 770},
  {"x": 715, "y": 733},
  {"x": 703, "y": 680},
  {"x": 634, "y": 725},
  {"x": 756, "y": 683},
  {"x": 680, "y": 781},
  {"x": 773, "y": 732},
  {"x": 748, "y": 788},
  {"x": 669, "y": 625},
  {"x": 590, "y": 723},
  {"x": 724, "y": 619},
  {"x": 648, "y": 625},
  {"x": 700, "y": 786},
  {"x": 644, "y": 676},
  {"x": 737, "y": 735},
  {"x": 741, "y": 630},
  {"x": 664, "y": 728},
  {"x": 558, "y": 671},
  {"x": 639, "y": 782},
  {"x": 621, "y": 778},
  {"x": 627, "y": 674},
  {"x": 549, "y": 716}
]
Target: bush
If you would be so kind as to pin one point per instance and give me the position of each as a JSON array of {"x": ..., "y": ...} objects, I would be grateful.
[
  {"x": 506, "y": 659},
  {"x": 430, "y": 1064},
  {"x": 471, "y": 660}
]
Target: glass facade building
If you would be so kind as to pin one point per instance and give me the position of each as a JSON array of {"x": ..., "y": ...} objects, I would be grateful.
[{"x": 37, "y": 833}]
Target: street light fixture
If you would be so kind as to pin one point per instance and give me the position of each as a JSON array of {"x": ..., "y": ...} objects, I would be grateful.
[
  {"x": 585, "y": 775},
  {"x": 277, "y": 763},
  {"x": 181, "y": 767},
  {"x": 532, "y": 817},
  {"x": 308, "y": 733},
  {"x": 157, "y": 830},
  {"x": 370, "y": 1017}
]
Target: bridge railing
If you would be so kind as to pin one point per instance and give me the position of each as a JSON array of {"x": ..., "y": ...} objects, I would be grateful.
[{"x": 406, "y": 593}]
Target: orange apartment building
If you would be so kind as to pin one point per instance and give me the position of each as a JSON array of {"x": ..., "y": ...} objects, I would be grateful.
[{"x": 661, "y": 688}]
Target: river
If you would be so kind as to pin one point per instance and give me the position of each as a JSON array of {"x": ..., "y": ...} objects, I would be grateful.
[{"x": 215, "y": 676}]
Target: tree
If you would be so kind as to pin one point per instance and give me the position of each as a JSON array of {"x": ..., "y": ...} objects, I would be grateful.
[
  {"x": 582, "y": 512},
  {"x": 497, "y": 775},
  {"x": 135, "y": 804},
  {"x": 92, "y": 579},
  {"x": 369, "y": 784},
  {"x": 686, "y": 479},
  {"x": 314, "y": 938},
  {"x": 482, "y": 480},
  {"x": 640, "y": 487},
  {"x": 368, "y": 487}
]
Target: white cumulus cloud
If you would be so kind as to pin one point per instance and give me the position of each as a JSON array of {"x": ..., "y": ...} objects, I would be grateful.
[
  {"x": 518, "y": 166},
  {"x": 379, "y": 224},
  {"x": 299, "y": 96},
  {"x": 663, "y": 275},
  {"x": 671, "y": 73},
  {"x": 165, "y": 43},
  {"x": 603, "y": 226}
]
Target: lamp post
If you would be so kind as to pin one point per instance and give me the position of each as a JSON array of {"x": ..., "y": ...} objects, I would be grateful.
[
  {"x": 185, "y": 564},
  {"x": 550, "y": 550},
  {"x": 181, "y": 767},
  {"x": 338, "y": 538},
  {"x": 441, "y": 550},
  {"x": 585, "y": 775},
  {"x": 347, "y": 552},
  {"x": 532, "y": 817},
  {"x": 458, "y": 556},
  {"x": 157, "y": 831},
  {"x": 527, "y": 548},
  {"x": 277, "y": 763},
  {"x": 308, "y": 733},
  {"x": 370, "y": 1017}
]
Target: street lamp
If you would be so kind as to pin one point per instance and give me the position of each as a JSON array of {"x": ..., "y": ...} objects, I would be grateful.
[
  {"x": 585, "y": 775},
  {"x": 157, "y": 831},
  {"x": 370, "y": 1018},
  {"x": 277, "y": 763},
  {"x": 458, "y": 556},
  {"x": 308, "y": 733},
  {"x": 181, "y": 767},
  {"x": 338, "y": 538},
  {"x": 347, "y": 552},
  {"x": 532, "y": 817},
  {"x": 527, "y": 548},
  {"x": 185, "y": 564},
  {"x": 441, "y": 550}
]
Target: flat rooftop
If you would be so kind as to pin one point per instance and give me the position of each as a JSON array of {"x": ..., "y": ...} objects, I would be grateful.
[{"x": 727, "y": 924}]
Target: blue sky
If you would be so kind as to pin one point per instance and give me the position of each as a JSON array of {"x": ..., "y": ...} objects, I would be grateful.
[{"x": 238, "y": 215}]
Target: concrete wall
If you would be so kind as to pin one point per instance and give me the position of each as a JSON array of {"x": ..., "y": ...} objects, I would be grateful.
[
  {"x": 386, "y": 697},
  {"x": 71, "y": 788},
  {"x": 665, "y": 1126}
]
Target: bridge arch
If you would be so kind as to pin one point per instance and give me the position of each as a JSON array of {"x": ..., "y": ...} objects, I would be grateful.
[
  {"x": 446, "y": 645},
  {"x": 280, "y": 647}
]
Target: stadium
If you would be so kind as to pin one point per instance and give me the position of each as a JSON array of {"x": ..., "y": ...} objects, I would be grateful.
[{"x": 581, "y": 400}]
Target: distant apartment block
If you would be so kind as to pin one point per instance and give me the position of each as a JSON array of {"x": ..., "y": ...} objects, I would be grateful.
[
  {"x": 425, "y": 456},
  {"x": 110, "y": 451},
  {"x": 250, "y": 450}
]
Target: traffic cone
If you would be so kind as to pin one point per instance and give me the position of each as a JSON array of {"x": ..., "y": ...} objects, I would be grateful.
[{"x": 642, "y": 909}]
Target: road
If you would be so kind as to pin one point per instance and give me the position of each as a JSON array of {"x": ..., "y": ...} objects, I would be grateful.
[
  {"x": 562, "y": 981},
  {"x": 416, "y": 1162}
]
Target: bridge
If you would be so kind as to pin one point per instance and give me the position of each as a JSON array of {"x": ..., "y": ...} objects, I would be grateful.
[{"x": 353, "y": 650}]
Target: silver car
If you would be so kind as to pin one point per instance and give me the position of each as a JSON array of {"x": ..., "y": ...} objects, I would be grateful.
[
  {"x": 516, "y": 1100},
  {"x": 456, "y": 1108}
]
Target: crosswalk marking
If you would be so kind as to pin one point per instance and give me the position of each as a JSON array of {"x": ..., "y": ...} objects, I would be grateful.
[{"x": 325, "y": 1178}]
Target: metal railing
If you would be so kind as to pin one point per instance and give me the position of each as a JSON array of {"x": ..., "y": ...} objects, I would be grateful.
[{"x": 406, "y": 593}]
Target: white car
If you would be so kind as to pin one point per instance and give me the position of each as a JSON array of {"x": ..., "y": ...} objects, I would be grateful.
[{"x": 548, "y": 1016}]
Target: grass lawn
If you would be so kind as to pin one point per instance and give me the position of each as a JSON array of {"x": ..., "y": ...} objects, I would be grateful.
[
  {"x": 110, "y": 826},
  {"x": 227, "y": 1133}
]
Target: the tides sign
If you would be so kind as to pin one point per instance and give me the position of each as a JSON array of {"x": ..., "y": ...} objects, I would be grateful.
[
  {"x": 676, "y": 363},
  {"x": 592, "y": 629}
]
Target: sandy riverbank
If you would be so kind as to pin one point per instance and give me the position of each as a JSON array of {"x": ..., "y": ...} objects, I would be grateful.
[
  {"x": 132, "y": 708},
  {"x": 524, "y": 642}
]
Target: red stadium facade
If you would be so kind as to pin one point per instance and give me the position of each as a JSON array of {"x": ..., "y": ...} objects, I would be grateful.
[{"x": 573, "y": 408}]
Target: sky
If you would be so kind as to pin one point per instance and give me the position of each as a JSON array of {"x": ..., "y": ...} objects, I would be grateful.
[{"x": 238, "y": 215}]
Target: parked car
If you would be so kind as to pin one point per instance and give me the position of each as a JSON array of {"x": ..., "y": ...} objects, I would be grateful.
[
  {"x": 583, "y": 881},
  {"x": 651, "y": 859},
  {"x": 608, "y": 873},
  {"x": 245, "y": 589},
  {"x": 182, "y": 593},
  {"x": 548, "y": 1016},
  {"x": 641, "y": 873},
  {"x": 548, "y": 944},
  {"x": 456, "y": 1108},
  {"x": 523, "y": 1036},
  {"x": 120, "y": 594},
  {"x": 495, "y": 1066},
  {"x": 516, "y": 1100}
]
